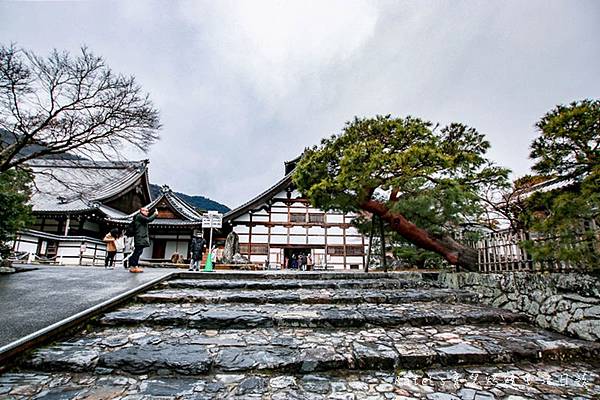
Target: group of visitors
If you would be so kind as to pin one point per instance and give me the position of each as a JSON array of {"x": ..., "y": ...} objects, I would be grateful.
[
  {"x": 133, "y": 241},
  {"x": 300, "y": 261}
]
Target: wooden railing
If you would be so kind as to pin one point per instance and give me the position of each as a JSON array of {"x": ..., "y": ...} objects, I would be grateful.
[{"x": 504, "y": 251}]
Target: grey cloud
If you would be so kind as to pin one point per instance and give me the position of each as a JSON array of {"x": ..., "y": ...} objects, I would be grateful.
[{"x": 244, "y": 86}]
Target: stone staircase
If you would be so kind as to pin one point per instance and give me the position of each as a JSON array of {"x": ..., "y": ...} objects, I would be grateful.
[{"x": 308, "y": 336}]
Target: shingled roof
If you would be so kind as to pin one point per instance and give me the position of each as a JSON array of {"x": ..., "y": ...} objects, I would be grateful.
[
  {"x": 187, "y": 215},
  {"x": 72, "y": 186}
]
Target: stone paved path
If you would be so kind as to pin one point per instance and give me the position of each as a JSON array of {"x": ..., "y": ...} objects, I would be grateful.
[{"x": 308, "y": 337}]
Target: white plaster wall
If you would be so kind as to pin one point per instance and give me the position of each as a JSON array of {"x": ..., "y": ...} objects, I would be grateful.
[
  {"x": 335, "y": 240},
  {"x": 260, "y": 230},
  {"x": 279, "y": 217},
  {"x": 259, "y": 238}
]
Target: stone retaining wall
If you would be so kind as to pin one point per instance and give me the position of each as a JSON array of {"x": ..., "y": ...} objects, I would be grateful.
[{"x": 565, "y": 303}]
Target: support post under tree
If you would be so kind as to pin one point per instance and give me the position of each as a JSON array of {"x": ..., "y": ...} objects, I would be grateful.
[
  {"x": 382, "y": 233},
  {"x": 370, "y": 243}
]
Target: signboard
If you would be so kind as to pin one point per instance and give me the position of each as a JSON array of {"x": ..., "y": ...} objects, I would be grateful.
[{"x": 212, "y": 219}]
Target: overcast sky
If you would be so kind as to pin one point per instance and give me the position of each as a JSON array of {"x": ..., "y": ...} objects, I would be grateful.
[{"x": 243, "y": 86}]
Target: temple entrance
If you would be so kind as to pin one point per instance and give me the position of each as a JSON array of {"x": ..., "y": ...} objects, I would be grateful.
[{"x": 292, "y": 256}]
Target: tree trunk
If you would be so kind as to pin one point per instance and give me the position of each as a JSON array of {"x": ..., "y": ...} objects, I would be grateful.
[{"x": 454, "y": 252}]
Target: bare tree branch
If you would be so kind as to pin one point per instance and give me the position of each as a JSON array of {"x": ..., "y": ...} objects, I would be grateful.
[{"x": 64, "y": 103}]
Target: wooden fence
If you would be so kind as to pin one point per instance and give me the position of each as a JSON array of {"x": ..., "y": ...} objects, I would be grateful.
[{"x": 504, "y": 251}]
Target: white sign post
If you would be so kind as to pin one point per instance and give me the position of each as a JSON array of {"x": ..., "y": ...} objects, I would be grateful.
[{"x": 212, "y": 219}]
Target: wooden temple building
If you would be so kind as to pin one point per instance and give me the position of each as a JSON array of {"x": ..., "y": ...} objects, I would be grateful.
[
  {"x": 76, "y": 202},
  {"x": 279, "y": 224}
]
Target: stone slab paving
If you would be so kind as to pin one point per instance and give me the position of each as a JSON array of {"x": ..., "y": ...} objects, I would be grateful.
[
  {"x": 549, "y": 381},
  {"x": 218, "y": 316},
  {"x": 383, "y": 283},
  {"x": 191, "y": 351},
  {"x": 308, "y": 296}
]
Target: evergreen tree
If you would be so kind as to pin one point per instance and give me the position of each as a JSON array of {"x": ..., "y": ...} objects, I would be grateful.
[
  {"x": 424, "y": 182},
  {"x": 15, "y": 213},
  {"x": 567, "y": 152}
]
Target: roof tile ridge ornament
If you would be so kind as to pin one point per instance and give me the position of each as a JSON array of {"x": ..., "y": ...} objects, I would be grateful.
[
  {"x": 165, "y": 189},
  {"x": 143, "y": 165}
]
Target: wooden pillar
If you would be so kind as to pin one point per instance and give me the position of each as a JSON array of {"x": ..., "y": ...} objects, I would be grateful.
[
  {"x": 370, "y": 243},
  {"x": 382, "y": 233}
]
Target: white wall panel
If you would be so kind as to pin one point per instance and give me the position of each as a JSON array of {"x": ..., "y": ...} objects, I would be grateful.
[
  {"x": 316, "y": 230},
  {"x": 258, "y": 258},
  {"x": 354, "y": 239},
  {"x": 241, "y": 229},
  {"x": 279, "y": 217},
  {"x": 354, "y": 260},
  {"x": 297, "y": 239},
  {"x": 334, "y": 218},
  {"x": 260, "y": 218},
  {"x": 278, "y": 239},
  {"x": 297, "y": 230},
  {"x": 334, "y": 230},
  {"x": 260, "y": 230},
  {"x": 259, "y": 238},
  {"x": 279, "y": 230},
  {"x": 243, "y": 238},
  {"x": 316, "y": 240},
  {"x": 335, "y": 240}
]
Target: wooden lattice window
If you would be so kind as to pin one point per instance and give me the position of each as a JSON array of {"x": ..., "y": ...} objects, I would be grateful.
[
  {"x": 335, "y": 250},
  {"x": 316, "y": 218},
  {"x": 350, "y": 250},
  {"x": 260, "y": 249},
  {"x": 354, "y": 250},
  {"x": 298, "y": 217}
]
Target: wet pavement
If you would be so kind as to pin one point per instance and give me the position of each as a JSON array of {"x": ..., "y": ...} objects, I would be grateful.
[{"x": 35, "y": 299}]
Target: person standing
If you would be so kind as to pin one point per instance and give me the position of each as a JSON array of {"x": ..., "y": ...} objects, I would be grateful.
[
  {"x": 111, "y": 247},
  {"x": 141, "y": 239},
  {"x": 196, "y": 251},
  {"x": 309, "y": 262},
  {"x": 302, "y": 261},
  {"x": 127, "y": 250}
]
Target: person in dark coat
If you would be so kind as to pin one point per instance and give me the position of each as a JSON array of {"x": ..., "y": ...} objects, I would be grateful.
[
  {"x": 302, "y": 262},
  {"x": 141, "y": 239},
  {"x": 196, "y": 251}
]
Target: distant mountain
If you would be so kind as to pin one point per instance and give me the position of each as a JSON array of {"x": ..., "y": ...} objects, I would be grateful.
[
  {"x": 6, "y": 138},
  {"x": 200, "y": 202}
]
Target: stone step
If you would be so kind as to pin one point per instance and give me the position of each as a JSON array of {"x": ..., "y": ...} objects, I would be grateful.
[
  {"x": 283, "y": 284},
  {"x": 187, "y": 351},
  {"x": 219, "y": 316},
  {"x": 509, "y": 381},
  {"x": 308, "y": 296},
  {"x": 307, "y": 275}
]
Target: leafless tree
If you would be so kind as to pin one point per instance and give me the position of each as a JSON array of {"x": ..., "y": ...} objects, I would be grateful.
[{"x": 67, "y": 103}]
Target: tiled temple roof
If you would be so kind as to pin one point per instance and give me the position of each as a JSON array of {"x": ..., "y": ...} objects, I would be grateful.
[{"x": 71, "y": 186}]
